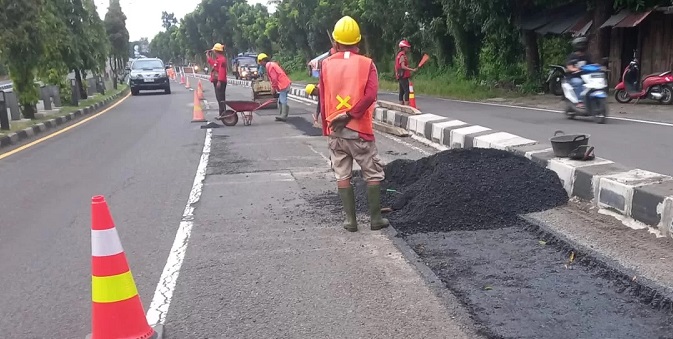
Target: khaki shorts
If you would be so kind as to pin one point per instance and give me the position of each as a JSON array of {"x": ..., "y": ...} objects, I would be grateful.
[{"x": 343, "y": 151}]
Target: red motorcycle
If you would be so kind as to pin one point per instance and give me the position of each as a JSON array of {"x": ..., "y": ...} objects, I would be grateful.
[{"x": 654, "y": 86}]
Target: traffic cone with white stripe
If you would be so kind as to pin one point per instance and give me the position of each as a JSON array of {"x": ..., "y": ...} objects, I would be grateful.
[
  {"x": 182, "y": 79},
  {"x": 412, "y": 96},
  {"x": 117, "y": 311},
  {"x": 187, "y": 84}
]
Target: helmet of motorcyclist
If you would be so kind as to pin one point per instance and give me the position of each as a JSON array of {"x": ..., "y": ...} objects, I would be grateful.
[
  {"x": 404, "y": 43},
  {"x": 580, "y": 44}
]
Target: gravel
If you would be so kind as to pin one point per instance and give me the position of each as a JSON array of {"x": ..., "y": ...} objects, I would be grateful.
[{"x": 464, "y": 190}]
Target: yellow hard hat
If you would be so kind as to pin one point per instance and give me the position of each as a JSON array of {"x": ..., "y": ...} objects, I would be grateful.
[
  {"x": 346, "y": 31},
  {"x": 309, "y": 89},
  {"x": 261, "y": 56},
  {"x": 218, "y": 47}
]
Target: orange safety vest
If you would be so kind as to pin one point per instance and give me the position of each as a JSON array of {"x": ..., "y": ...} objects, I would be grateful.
[{"x": 345, "y": 77}]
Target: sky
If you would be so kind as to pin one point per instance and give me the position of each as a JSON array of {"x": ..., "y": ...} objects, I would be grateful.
[{"x": 144, "y": 16}]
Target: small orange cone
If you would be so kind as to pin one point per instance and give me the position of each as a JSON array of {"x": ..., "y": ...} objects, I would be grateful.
[
  {"x": 197, "y": 113},
  {"x": 187, "y": 84},
  {"x": 117, "y": 311},
  {"x": 199, "y": 90},
  {"x": 182, "y": 79},
  {"x": 412, "y": 96}
]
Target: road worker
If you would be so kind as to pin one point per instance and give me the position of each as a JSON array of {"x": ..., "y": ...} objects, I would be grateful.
[
  {"x": 403, "y": 71},
  {"x": 218, "y": 74},
  {"x": 348, "y": 92},
  {"x": 280, "y": 83}
]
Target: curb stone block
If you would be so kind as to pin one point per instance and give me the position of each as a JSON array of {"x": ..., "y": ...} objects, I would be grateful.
[
  {"x": 587, "y": 179},
  {"x": 439, "y": 130},
  {"x": 459, "y": 135},
  {"x": 501, "y": 141},
  {"x": 528, "y": 150},
  {"x": 653, "y": 205},
  {"x": 417, "y": 122},
  {"x": 29, "y": 132},
  {"x": 616, "y": 190},
  {"x": 566, "y": 168},
  {"x": 470, "y": 138},
  {"x": 542, "y": 158},
  {"x": 428, "y": 129}
]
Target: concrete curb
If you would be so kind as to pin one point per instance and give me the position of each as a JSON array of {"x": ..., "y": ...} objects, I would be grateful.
[
  {"x": 643, "y": 196},
  {"x": 39, "y": 129}
]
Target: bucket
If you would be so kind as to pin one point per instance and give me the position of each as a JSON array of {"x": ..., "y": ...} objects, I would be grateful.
[{"x": 563, "y": 144}]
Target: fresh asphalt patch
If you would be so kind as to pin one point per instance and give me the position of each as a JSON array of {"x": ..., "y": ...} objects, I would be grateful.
[{"x": 459, "y": 210}]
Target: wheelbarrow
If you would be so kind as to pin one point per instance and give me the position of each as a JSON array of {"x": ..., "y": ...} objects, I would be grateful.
[{"x": 245, "y": 108}]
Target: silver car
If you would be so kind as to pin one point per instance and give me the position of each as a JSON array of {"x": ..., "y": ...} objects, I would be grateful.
[{"x": 148, "y": 74}]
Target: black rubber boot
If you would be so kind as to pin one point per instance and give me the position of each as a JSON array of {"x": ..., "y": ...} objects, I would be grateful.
[
  {"x": 374, "y": 200},
  {"x": 347, "y": 196}
]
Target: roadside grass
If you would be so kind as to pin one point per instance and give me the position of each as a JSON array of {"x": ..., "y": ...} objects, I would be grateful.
[
  {"x": 439, "y": 85},
  {"x": 65, "y": 110}
]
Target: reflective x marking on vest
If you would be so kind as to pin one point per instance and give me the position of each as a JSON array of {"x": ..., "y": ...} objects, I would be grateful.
[{"x": 343, "y": 102}]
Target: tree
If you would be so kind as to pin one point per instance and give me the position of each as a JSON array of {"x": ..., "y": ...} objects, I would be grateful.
[
  {"x": 168, "y": 20},
  {"x": 21, "y": 38},
  {"x": 118, "y": 36}
]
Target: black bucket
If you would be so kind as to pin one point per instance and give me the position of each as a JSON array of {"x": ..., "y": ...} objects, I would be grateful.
[{"x": 563, "y": 144}]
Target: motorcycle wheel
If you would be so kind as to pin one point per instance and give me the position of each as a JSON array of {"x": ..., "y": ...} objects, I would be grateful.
[
  {"x": 622, "y": 96},
  {"x": 667, "y": 95},
  {"x": 600, "y": 110},
  {"x": 555, "y": 85}
]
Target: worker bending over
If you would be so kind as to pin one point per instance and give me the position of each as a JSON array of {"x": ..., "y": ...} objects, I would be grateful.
[
  {"x": 280, "y": 83},
  {"x": 348, "y": 92}
]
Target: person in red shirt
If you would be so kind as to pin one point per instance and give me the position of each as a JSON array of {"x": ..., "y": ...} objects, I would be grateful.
[
  {"x": 403, "y": 72},
  {"x": 218, "y": 74},
  {"x": 348, "y": 92},
  {"x": 280, "y": 83}
]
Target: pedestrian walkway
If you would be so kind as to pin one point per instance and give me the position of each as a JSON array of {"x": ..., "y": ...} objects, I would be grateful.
[{"x": 266, "y": 259}]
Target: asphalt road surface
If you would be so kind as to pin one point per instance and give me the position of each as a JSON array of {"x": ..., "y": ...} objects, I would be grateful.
[
  {"x": 141, "y": 156},
  {"x": 262, "y": 256}
]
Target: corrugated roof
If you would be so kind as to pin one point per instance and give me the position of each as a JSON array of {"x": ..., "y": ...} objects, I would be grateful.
[
  {"x": 545, "y": 17},
  {"x": 563, "y": 21},
  {"x": 615, "y": 19},
  {"x": 582, "y": 26},
  {"x": 633, "y": 19}
]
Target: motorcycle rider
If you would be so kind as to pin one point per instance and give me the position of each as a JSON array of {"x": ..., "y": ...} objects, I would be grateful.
[{"x": 576, "y": 60}]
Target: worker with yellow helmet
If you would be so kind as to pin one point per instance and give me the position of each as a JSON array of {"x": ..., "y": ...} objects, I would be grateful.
[
  {"x": 218, "y": 74},
  {"x": 312, "y": 90},
  {"x": 280, "y": 83},
  {"x": 348, "y": 91}
]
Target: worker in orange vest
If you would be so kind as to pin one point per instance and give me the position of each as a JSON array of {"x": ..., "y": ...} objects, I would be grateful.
[
  {"x": 280, "y": 83},
  {"x": 348, "y": 93},
  {"x": 218, "y": 75}
]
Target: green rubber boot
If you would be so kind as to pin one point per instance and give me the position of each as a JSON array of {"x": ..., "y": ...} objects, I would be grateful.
[
  {"x": 374, "y": 201},
  {"x": 347, "y": 196},
  {"x": 284, "y": 111}
]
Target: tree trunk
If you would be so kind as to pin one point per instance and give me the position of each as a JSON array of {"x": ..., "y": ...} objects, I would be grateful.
[
  {"x": 82, "y": 91},
  {"x": 113, "y": 67},
  {"x": 600, "y": 42},
  {"x": 532, "y": 55}
]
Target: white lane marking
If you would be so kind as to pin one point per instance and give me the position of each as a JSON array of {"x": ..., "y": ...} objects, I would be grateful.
[
  {"x": 418, "y": 149},
  {"x": 320, "y": 154},
  {"x": 169, "y": 277}
]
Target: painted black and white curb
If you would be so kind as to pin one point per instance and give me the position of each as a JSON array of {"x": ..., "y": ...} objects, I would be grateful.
[
  {"x": 30, "y": 132},
  {"x": 627, "y": 193}
]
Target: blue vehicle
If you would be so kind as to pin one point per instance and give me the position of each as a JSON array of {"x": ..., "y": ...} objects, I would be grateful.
[
  {"x": 594, "y": 94},
  {"x": 244, "y": 66}
]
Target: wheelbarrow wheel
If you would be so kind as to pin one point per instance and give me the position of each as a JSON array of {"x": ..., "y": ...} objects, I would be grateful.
[{"x": 230, "y": 118}]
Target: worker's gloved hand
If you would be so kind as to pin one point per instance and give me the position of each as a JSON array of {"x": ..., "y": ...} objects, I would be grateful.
[{"x": 338, "y": 124}]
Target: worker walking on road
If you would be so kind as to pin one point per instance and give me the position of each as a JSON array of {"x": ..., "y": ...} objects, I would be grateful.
[
  {"x": 280, "y": 83},
  {"x": 348, "y": 93},
  {"x": 403, "y": 72},
  {"x": 313, "y": 90},
  {"x": 218, "y": 74}
]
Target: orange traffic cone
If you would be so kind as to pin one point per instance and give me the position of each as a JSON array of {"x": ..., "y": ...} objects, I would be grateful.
[
  {"x": 412, "y": 96},
  {"x": 199, "y": 90},
  {"x": 187, "y": 84},
  {"x": 182, "y": 79},
  {"x": 197, "y": 113},
  {"x": 117, "y": 310}
]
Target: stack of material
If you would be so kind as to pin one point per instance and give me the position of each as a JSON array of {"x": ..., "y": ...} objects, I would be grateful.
[{"x": 261, "y": 92}]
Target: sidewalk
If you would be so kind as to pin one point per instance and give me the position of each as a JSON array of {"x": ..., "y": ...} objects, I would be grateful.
[{"x": 265, "y": 261}]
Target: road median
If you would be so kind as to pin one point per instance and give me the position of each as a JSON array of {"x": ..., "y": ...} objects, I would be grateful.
[{"x": 40, "y": 127}]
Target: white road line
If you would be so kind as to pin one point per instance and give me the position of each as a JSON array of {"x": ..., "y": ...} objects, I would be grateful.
[
  {"x": 329, "y": 162},
  {"x": 169, "y": 277}
]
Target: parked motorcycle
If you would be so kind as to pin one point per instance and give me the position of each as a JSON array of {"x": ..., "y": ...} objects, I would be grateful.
[
  {"x": 554, "y": 78},
  {"x": 595, "y": 94},
  {"x": 656, "y": 86}
]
